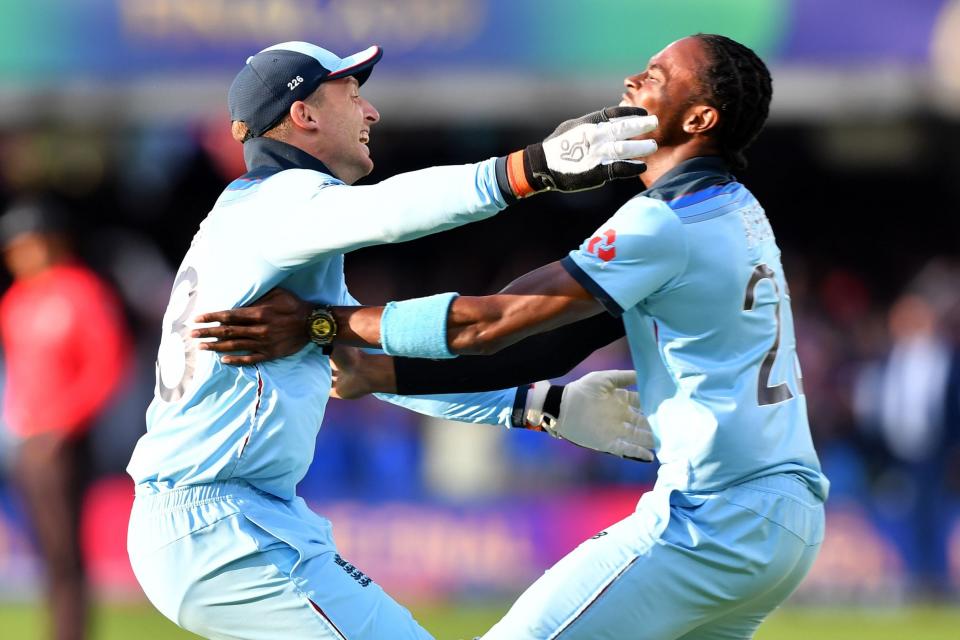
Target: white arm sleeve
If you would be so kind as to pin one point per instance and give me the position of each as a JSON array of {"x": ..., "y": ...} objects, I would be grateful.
[
  {"x": 313, "y": 216},
  {"x": 488, "y": 407}
]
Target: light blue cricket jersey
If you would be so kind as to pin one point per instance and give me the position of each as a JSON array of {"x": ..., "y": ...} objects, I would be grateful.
[
  {"x": 693, "y": 267},
  {"x": 286, "y": 223}
]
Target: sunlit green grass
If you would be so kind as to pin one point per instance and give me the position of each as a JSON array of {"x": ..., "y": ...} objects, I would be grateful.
[{"x": 453, "y": 622}]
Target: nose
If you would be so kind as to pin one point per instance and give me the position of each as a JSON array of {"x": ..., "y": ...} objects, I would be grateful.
[
  {"x": 370, "y": 113},
  {"x": 633, "y": 82}
]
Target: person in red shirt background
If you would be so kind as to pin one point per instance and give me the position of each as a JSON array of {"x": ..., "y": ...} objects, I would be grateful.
[{"x": 66, "y": 347}]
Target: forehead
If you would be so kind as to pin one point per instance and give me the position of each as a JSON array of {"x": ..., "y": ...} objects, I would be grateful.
[
  {"x": 343, "y": 84},
  {"x": 684, "y": 57},
  {"x": 25, "y": 238},
  {"x": 339, "y": 89}
]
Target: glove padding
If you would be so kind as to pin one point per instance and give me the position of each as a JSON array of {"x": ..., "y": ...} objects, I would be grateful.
[
  {"x": 584, "y": 153},
  {"x": 597, "y": 412}
]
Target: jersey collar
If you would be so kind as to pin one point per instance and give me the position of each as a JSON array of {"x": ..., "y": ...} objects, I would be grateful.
[
  {"x": 689, "y": 177},
  {"x": 267, "y": 153}
]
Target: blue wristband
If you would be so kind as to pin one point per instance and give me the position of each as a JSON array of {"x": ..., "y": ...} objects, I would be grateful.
[{"x": 417, "y": 328}]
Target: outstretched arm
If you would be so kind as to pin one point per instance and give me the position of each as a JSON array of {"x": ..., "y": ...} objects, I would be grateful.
[
  {"x": 275, "y": 326},
  {"x": 584, "y": 153},
  {"x": 539, "y": 301},
  {"x": 541, "y": 357},
  {"x": 596, "y": 412}
]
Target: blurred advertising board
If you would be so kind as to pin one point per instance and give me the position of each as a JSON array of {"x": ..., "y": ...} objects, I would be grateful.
[
  {"x": 432, "y": 550},
  {"x": 52, "y": 42}
]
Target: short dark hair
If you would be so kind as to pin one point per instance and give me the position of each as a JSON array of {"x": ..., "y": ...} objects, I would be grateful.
[
  {"x": 738, "y": 83},
  {"x": 43, "y": 214}
]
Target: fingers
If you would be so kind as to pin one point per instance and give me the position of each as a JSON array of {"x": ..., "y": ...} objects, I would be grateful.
[
  {"x": 623, "y": 150},
  {"x": 611, "y": 113},
  {"x": 239, "y": 361},
  {"x": 229, "y": 331},
  {"x": 625, "y": 169},
  {"x": 596, "y": 117},
  {"x": 642, "y": 456},
  {"x": 630, "y": 149},
  {"x": 625, "y": 128},
  {"x": 622, "y": 378},
  {"x": 276, "y": 300},
  {"x": 628, "y": 407},
  {"x": 636, "y": 428},
  {"x": 222, "y": 346},
  {"x": 243, "y": 315},
  {"x": 640, "y": 435},
  {"x": 633, "y": 451}
]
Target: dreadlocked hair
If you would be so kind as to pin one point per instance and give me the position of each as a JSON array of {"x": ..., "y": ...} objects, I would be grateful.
[{"x": 739, "y": 85}]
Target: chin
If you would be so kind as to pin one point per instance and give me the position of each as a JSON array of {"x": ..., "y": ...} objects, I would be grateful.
[{"x": 362, "y": 170}]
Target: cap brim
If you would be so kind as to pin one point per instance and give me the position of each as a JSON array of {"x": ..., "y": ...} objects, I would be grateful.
[{"x": 359, "y": 65}]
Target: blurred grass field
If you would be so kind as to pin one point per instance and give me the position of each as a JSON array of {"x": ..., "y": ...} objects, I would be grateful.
[{"x": 452, "y": 622}]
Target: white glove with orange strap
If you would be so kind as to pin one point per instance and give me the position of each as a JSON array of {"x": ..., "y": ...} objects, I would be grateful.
[
  {"x": 583, "y": 153},
  {"x": 597, "y": 412}
]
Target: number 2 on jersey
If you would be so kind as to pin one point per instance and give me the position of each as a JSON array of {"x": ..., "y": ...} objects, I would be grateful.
[
  {"x": 177, "y": 355},
  {"x": 765, "y": 393}
]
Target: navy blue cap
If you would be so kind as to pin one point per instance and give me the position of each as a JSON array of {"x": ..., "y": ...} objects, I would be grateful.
[
  {"x": 278, "y": 76},
  {"x": 33, "y": 215}
]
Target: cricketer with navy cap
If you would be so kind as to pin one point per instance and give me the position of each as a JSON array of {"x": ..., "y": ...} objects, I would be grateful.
[
  {"x": 218, "y": 539},
  {"x": 690, "y": 270}
]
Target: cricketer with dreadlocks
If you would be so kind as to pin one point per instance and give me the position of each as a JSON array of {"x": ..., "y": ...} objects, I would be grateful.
[{"x": 690, "y": 270}]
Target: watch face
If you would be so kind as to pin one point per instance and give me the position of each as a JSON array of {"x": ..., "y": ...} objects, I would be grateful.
[{"x": 321, "y": 327}]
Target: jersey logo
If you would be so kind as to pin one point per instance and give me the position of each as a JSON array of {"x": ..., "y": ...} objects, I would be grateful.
[
  {"x": 352, "y": 571},
  {"x": 603, "y": 245}
]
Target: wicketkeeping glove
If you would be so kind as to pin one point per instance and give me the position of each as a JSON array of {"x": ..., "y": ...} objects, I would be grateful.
[
  {"x": 596, "y": 411},
  {"x": 583, "y": 153}
]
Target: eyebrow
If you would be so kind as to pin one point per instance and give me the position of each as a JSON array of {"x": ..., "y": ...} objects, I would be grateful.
[{"x": 657, "y": 67}]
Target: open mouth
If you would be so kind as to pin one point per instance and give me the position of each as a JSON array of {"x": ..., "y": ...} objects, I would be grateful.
[{"x": 364, "y": 137}]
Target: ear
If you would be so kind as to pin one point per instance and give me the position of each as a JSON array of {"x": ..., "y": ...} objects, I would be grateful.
[
  {"x": 701, "y": 118},
  {"x": 303, "y": 115}
]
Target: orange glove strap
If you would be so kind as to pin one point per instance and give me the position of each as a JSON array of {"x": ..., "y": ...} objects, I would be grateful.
[{"x": 517, "y": 176}]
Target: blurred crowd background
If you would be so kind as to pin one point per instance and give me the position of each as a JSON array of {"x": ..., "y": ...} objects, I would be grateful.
[{"x": 116, "y": 108}]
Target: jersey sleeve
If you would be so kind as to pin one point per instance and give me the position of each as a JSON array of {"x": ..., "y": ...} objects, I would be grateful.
[
  {"x": 636, "y": 252},
  {"x": 488, "y": 407},
  {"x": 313, "y": 216}
]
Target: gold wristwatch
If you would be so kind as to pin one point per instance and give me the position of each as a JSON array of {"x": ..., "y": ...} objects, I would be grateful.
[{"x": 322, "y": 326}]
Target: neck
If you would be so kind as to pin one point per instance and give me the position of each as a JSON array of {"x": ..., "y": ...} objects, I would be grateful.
[
  {"x": 28, "y": 272},
  {"x": 666, "y": 158},
  {"x": 281, "y": 154}
]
